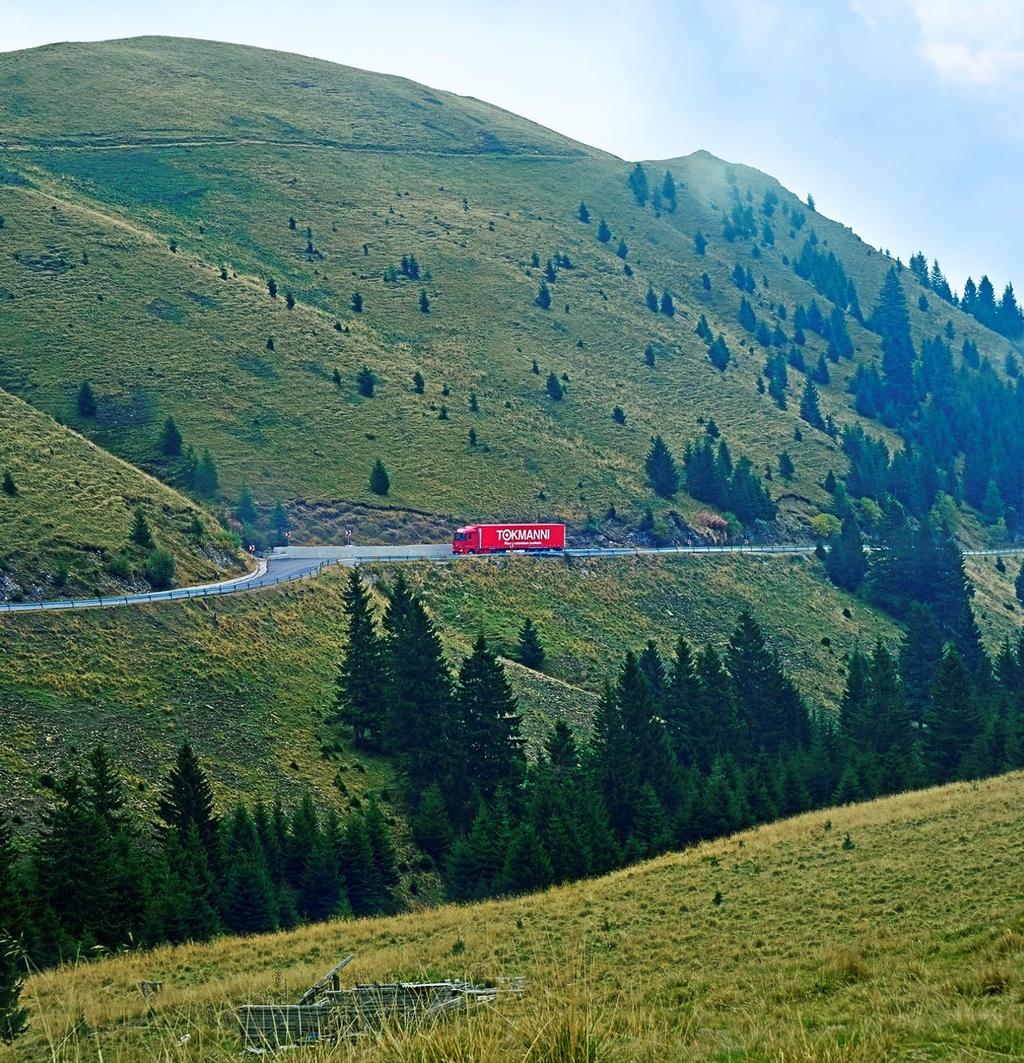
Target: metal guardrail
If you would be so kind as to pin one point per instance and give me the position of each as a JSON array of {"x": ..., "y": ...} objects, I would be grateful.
[{"x": 240, "y": 586}]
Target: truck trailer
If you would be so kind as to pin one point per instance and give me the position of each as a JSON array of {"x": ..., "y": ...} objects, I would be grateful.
[{"x": 508, "y": 538}]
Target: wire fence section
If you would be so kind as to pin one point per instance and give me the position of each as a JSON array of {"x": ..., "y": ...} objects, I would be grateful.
[{"x": 244, "y": 586}]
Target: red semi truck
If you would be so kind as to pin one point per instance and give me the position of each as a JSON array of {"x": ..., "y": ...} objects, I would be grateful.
[{"x": 503, "y": 538}]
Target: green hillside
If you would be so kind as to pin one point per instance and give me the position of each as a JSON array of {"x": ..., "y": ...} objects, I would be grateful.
[
  {"x": 249, "y": 680},
  {"x": 888, "y": 930},
  {"x": 118, "y": 225},
  {"x": 66, "y": 526}
]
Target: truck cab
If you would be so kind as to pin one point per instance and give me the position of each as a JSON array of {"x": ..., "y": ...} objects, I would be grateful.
[{"x": 466, "y": 540}]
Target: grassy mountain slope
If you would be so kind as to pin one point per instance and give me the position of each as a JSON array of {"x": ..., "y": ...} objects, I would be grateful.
[
  {"x": 73, "y": 510},
  {"x": 123, "y": 189},
  {"x": 906, "y": 943},
  {"x": 249, "y": 679}
]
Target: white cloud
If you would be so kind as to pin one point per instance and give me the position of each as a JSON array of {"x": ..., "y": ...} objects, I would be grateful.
[{"x": 977, "y": 45}]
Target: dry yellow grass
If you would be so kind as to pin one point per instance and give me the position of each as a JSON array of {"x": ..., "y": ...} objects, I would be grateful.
[{"x": 910, "y": 945}]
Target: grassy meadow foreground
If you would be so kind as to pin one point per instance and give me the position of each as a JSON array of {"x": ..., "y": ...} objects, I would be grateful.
[{"x": 893, "y": 929}]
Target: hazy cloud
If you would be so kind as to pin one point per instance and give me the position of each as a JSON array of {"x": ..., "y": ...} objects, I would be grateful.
[{"x": 977, "y": 45}]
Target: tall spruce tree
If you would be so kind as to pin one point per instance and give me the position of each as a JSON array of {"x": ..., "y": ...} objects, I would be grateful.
[
  {"x": 953, "y": 721},
  {"x": 846, "y": 562},
  {"x": 187, "y": 801},
  {"x": 530, "y": 650},
  {"x": 661, "y": 470},
  {"x": 13, "y": 1017},
  {"x": 419, "y": 701},
  {"x": 488, "y": 724},
  {"x": 359, "y": 687},
  {"x": 892, "y": 323}
]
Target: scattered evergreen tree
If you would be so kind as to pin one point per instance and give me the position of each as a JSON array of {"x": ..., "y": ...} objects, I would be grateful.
[
  {"x": 661, "y": 470},
  {"x": 667, "y": 306},
  {"x": 380, "y": 482},
  {"x": 245, "y": 511},
  {"x": 554, "y": 388},
  {"x": 637, "y": 182},
  {"x": 618, "y": 415},
  {"x": 140, "y": 533},
  {"x": 8, "y": 486},
  {"x": 787, "y": 470},
  {"x": 272, "y": 287},
  {"x": 170, "y": 439},
  {"x": 622, "y": 250},
  {"x": 205, "y": 478},
  {"x": 651, "y": 299},
  {"x": 86, "y": 401},
  {"x": 718, "y": 353},
  {"x": 892, "y": 322},
  {"x": 604, "y": 234},
  {"x": 530, "y": 650},
  {"x": 543, "y": 299},
  {"x": 700, "y": 244},
  {"x": 810, "y": 411},
  {"x": 418, "y": 382},
  {"x": 583, "y": 213},
  {"x": 846, "y": 562},
  {"x": 424, "y": 302},
  {"x": 357, "y": 302},
  {"x": 361, "y": 675},
  {"x": 366, "y": 382}
]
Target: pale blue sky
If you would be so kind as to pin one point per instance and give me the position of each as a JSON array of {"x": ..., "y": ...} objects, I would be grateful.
[{"x": 904, "y": 117}]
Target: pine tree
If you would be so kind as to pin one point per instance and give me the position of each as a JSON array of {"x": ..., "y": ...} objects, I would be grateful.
[
  {"x": 526, "y": 866},
  {"x": 280, "y": 523},
  {"x": 667, "y": 305},
  {"x": 530, "y": 650},
  {"x": 554, "y": 388},
  {"x": 651, "y": 299},
  {"x": 846, "y": 562},
  {"x": 637, "y": 182},
  {"x": 583, "y": 213},
  {"x": 245, "y": 511},
  {"x": 86, "y": 401},
  {"x": 622, "y": 250},
  {"x": 13, "y": 1017},
  {"x": 489, "y": 724},
  {"x": 431, "y": 827},
  {"x": 661, "y": 469},
  {"x": 71, "y": 872},
  {"x": 140, "y": 533},
  {"x": 746, "y": 316},
  {"x": 604, "y": 234},
  {"x": 170, "y": 439},
  {"x": 953, "y": 721},
  {"x": 418, "y": 383},
  {"x": 206, "y": 480},
  {"x": 357, "y": 302},
  {"x": 892, "y": 322},
  {"x": 810, "y": 411},
  {"x": 543, "y": 299},
  {"x": 420, "y": 718},
  {"x": 718, "y": 353},
  {"x": 187, "y": 801},
  {"x": 380, "y": 482},
  {"x": 366, "y": 382},
  {"x": 787, "y": 470},
  {"x": 700, "y": 244},
  {"x": 424, "y": 302},
  {"x": 361, "y": 675},
  {"x": 9, "y": 487}
]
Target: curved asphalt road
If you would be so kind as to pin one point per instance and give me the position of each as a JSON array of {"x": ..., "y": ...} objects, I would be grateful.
[{"x": 289, "y": 563}]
